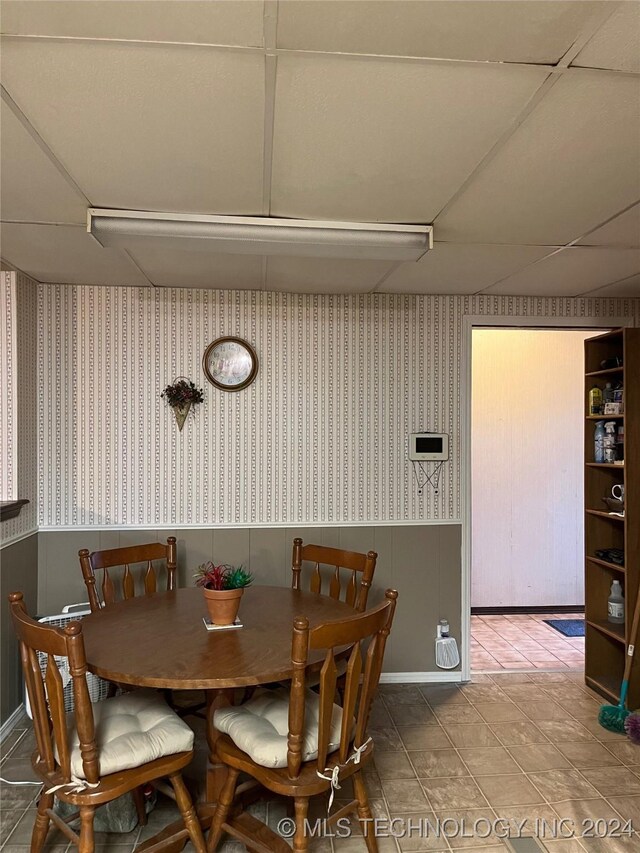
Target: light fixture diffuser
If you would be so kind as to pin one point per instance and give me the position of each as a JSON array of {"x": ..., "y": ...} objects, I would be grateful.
[{"x": 248, "y": 235}]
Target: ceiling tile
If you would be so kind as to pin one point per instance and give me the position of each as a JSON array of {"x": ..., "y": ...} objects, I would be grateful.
[
  {"x": 324, "y": 275},
  {"x": 571, "y": 272},
  {"x": 518, "y": 31},
  {"x": 572, "y": 164},
  {"x": 180, "y": 268},
  {"x": 624, "y": 230},
  {"x": 32, "y": 188},
  {"x": 459, "y": 268},
  {"x": 359, "y": 139},
  {"x": 616, "y": 44},
  {"x": 66, "y": 254},
  {"x": 234, "y": 22},
  {"x": 629, "y": 287},
  {"x": 147, "y": 127}
]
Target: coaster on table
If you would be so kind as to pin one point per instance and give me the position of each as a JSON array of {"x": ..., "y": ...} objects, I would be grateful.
[{"x": 211, "y": 626}]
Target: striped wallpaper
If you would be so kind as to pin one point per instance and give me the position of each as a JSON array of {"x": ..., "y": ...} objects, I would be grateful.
[
  {"x": 8, "y": 383},
  {"x": 320, "y": 436},
  {"x": 19, "y": 401}
]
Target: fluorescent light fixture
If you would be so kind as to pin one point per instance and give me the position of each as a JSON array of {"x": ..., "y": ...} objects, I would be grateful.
[{"x": 248, "y": 235}]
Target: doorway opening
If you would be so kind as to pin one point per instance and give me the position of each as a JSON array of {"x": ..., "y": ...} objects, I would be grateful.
[{"x": 527, "y": 511}]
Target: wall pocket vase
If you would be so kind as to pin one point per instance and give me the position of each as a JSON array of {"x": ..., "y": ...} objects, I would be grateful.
[
  {"x": 181, "y": 394},
  {"x": 181, "y": 413}
]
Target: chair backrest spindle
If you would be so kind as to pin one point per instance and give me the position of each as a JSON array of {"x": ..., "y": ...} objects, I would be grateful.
[{"x": 299, "y": 651}]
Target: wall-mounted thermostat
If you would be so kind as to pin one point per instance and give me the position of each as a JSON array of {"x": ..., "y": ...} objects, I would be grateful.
[{"x": 428, "y": 447}]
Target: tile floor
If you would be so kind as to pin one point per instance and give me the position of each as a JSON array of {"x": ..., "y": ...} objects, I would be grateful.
[
  {"x": 508, "y": 747},
  {"x": 523, "y": 642}
]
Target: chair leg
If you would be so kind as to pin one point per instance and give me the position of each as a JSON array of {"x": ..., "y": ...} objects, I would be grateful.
[
  {"x": 41, "y": 825},
  {"x": 301, "y": 839},
  {"x": 364, "y": 812},
  {"x": 138, "y": 801},
  {"x": 188, "y": 812},
  {"x": 86, "y": 844},
  {"x": 222, "y": 809}
]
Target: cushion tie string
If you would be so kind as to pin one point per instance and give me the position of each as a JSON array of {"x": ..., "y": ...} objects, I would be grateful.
[
  {"x": 75, "y": 786},
  {"x": 334, "y": 772},
  {"x": 334, "y": 778}
]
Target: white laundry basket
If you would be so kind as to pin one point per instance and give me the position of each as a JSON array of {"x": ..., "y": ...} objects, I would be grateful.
[{"x": 98, "y": 687}]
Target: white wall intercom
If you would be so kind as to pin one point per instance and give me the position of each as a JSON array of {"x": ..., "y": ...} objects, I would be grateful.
[{"x": 428, "y": 447}]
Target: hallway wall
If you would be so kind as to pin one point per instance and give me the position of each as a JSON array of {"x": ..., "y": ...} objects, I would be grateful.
[{"x": 527, "y": 467}]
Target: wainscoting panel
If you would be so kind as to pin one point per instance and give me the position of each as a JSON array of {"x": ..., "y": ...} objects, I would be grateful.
[
  {"x": 19, "y": 574},
  {"x": 421, "y": 561}
]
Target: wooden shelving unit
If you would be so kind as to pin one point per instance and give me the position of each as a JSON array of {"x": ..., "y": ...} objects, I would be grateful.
[{"x": 606, "y": 642}]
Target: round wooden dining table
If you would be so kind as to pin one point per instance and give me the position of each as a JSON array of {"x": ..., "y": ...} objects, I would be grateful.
[{"x": 160, "y": 640}]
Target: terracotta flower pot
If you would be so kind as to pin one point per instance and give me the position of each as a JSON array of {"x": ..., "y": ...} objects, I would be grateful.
[{"x": 222, "y": 604}]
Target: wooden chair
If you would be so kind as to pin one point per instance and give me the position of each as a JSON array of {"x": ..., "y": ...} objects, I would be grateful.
[
  {"x": 340, "y": 740},
  {"x": 103, "y": 561},
  {"x": 355, "y": 593},
  {"x": 91, "y": 563},
  {"x": 68, "y": 759}
]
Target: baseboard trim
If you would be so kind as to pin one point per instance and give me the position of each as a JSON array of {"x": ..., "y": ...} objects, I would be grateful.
[
  {"x": 421, "y": 677},
  {"x": 514, "y": 611},
  {"x": 10, "y": 723}
]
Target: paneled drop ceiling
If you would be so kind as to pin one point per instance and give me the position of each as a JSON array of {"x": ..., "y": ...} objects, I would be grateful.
[{"x": 513, "y": 127}]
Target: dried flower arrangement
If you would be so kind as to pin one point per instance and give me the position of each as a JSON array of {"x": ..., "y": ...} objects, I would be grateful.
[{"x": 180, "y": 395}]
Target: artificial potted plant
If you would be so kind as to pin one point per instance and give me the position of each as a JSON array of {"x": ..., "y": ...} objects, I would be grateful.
[
  {"x": 180, "y": 395},
  {"x": 222, "y": 587}
]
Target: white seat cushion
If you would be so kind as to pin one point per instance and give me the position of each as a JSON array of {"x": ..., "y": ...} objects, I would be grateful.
[
  {"x": 260, "y": 726},
  {"x": 131, "y": 730}
]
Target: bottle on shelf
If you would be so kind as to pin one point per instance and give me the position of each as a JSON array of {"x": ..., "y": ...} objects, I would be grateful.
[
  {"x": 595, "y": 401},
  {"x": 607, "y": 396},
  {"x": 615, "y": 604},
  {"x": 609, "y": 443},
  {"x": 620, "y": 443},
  {"x": 598, "y": 437}
]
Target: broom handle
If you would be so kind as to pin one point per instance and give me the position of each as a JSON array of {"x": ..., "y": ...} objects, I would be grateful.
[{"x": 632, "y": 639}]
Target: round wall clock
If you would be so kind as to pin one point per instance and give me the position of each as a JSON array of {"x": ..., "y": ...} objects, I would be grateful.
[{"x": 230, "y": 364}]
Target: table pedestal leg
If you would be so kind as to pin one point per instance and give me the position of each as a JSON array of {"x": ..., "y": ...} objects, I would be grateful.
[{"x": 216, "y": 772}]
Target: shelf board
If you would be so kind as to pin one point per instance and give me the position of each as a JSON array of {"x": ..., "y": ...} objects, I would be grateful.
[
  {"x": 605, "y": 685},
  {"x": 602, "y": 417},
  {"x": 606, "y": 564},
  {"x": 604, "y": 465},
  {"x": 600, "y": 514},
  {"x": 616, "y": 632},
  {"x": 608, "y": 372}
]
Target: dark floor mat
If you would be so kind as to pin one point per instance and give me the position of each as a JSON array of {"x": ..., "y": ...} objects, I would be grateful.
[{"x": 567, "y": 627}]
